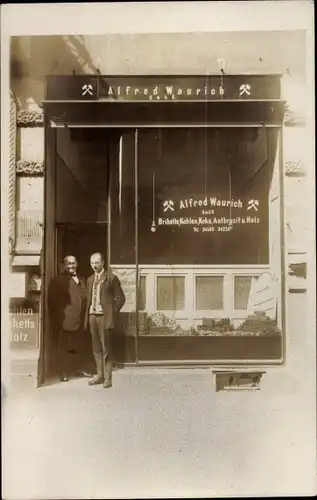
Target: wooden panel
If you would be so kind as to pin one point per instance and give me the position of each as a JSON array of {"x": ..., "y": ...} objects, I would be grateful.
[
  {"x": 166, "y": 114},
  {"x": 72, "y": 202},
  {"x": 237, "y": 349},
  {"x": 85, "y": 157}
]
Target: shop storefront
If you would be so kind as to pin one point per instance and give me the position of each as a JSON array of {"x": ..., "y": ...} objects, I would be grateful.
[{"x": 179, "y": 183}]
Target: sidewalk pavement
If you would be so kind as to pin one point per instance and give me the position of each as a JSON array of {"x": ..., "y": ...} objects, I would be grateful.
[{"x": 159, "y": 432}]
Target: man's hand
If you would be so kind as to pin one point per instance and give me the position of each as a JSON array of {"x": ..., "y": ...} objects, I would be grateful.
[{"x": 118, "y": 294}]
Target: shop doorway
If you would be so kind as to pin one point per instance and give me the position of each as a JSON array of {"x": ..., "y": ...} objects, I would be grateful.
[
  {"x": 83, "y": 188},
  {"x": 192, "y": 218},
  {"x": 81, "y": 240}
]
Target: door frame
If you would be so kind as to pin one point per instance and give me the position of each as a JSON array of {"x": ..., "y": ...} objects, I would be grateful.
[
  {"x": 49, "y": 251},
  {"x": 50, "y": 240}
]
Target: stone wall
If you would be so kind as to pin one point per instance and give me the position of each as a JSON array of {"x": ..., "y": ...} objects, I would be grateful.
[
  {"x": 296, "y": 153},
  {"x": 27, "y": 184}
]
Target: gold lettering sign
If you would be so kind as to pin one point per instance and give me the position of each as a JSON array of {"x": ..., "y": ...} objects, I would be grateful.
[{"x": 166, "y": 92}]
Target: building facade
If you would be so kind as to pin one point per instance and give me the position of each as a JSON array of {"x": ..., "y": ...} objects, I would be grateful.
[{"x": 188, "y": 173}]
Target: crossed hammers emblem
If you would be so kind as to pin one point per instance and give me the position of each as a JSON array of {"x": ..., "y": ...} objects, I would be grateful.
[
  {"x": 253, "y": 204},
  {"x": 245, "y": 89},
  {"x": 168, "y": 205},
  {"x": 87, "y": 89}
]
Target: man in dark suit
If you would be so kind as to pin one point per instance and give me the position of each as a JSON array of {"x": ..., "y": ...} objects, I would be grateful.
[
  {"x": 105, "y": 298},
  {"x": 66, "y": 304}
]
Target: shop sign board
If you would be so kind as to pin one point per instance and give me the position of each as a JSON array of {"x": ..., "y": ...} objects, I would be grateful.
[
  {"x": 163, "y": 88},
  {"x": 209, "y": 213},
  {"x": 24, "y": 327}
]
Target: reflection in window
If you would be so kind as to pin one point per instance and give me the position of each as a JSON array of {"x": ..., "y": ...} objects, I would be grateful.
[
  {"x": 209, "y": 293},
  {"x": 142, "y": 293},
  {"x": 242, "y": 288},
  {"x": 170, "y": 293}
]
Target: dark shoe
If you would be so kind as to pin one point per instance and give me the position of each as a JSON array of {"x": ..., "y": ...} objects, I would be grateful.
[
  {"x": 64, "y": 378},
  {"x": 96, "y": 380},
  {"x": 107, "y": 384}
]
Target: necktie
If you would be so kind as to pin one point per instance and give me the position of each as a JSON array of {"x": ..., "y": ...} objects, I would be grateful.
[{"x": 94, "y": 292}]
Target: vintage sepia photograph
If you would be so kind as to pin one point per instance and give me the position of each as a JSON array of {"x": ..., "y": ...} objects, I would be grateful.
[{"x": 158, "y": 250}]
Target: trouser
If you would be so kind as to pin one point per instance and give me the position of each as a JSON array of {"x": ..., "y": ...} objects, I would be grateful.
[
  {"x": 101, "y": 345},
  {"x": 70, "y": 351}
]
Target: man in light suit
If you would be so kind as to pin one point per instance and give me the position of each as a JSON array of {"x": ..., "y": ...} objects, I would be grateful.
[{"x": 105, "y": 298}]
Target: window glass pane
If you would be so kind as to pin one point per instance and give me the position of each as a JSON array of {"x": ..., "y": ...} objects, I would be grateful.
[
  {"x": 203, "y": 195},
  {"x": 242, "y": 288},
  {"x": 123, "y": 200},
  {"x": 209, "y": 292},
  {"x": 170, "y": 293},
  {"x": 142, "y": 293}
]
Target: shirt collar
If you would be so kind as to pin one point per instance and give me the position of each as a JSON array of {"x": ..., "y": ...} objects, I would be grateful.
[{"x": 69, "y": 275}]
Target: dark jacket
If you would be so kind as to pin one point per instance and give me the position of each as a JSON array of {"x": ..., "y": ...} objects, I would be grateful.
[
  {"x": 112, "y": 298},
  {"x": 67, "y": 302}
]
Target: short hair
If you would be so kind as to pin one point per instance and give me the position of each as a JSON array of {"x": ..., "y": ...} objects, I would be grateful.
[
  {"x": 69, "y": 256},
  {"x": 100, "y": 255}
]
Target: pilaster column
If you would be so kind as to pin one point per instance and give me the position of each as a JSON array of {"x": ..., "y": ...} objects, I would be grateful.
[{"x": 12, "y": 171}]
